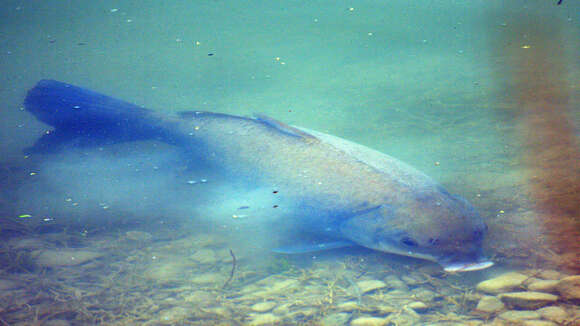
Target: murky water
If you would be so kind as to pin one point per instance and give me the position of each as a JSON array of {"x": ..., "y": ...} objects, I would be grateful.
[{"x": 481, "y": 95}]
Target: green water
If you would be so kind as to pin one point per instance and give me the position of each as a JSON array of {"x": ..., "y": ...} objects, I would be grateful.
[{"x": 427, "y": 82}]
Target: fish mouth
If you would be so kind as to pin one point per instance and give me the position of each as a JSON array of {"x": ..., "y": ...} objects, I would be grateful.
[{"x": 467, "y": 266}]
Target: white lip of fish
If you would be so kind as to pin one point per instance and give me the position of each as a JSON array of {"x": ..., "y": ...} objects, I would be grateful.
[
  {"x": 467, "y": 267},
  {"x": 450, "y": 268}
]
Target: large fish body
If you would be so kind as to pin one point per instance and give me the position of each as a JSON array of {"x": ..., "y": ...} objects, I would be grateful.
[{"x": 326, "y": 186}]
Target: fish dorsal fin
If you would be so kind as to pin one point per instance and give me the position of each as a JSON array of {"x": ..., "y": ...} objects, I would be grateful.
[{"x": 283, "y": 128}]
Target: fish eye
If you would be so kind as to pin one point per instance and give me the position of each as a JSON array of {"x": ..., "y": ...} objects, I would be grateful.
[{"x": 409, "y": 242}]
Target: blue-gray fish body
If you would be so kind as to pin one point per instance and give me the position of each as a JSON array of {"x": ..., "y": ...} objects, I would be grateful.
[{"x": 325, "y": 185}]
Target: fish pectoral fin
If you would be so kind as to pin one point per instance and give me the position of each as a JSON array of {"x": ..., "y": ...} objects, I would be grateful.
[
  {"x": 303, "y": 248},
  {"x": 284, "y": 128}
]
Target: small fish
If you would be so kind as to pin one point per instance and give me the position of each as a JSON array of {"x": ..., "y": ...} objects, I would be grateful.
[{"x": 341, "y": 192}]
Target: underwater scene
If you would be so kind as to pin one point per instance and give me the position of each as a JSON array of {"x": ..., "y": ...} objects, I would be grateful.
[{"x": 218, "y": 162}]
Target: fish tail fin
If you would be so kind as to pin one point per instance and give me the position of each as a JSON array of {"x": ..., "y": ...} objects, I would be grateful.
[{"x": 85, "y": 117}]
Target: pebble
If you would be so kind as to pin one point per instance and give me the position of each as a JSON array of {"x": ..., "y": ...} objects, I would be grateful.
[
  {"x": 368, "y": 321},
  {"x": 527, "y": 300},
  {"x": 263, "y": 306},
  {"x": 370, "y": 285},
  {"x": 555, "y": 314},
  {"x": 502, "y": 283},
  {"x": 489, "y": 305},
  {"x": 569, "y": 287}
]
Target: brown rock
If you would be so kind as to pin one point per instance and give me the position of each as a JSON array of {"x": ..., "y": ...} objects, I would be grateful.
[
  {"x": 516, "y": 316},
  {"x": 527, "y": 300},
  {"x": 543, "y": 285},
  {"x": 502, "y": 283},
  {"x": 569, "y": 287}
]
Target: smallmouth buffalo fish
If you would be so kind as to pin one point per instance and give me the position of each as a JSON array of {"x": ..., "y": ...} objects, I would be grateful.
[{"x": 334, "y": 189}]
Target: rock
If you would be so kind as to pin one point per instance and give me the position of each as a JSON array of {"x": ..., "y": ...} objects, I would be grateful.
[
  {"x": 337, "y": 319},
  {"x": 303, "y": 313},
  {"x": 263, "y": 306},
  {"x": 569, "y": 287},
  {"x": 418, "y": 306},
  {"x": 220, "y": 312},
  {"x": 348, "y": 306},
  {"x": 199, "y": 296},
  {"x": 283, "y": 309},
  {"x": 393, "y": 282},
  {"x": 370, "y": 285},
  {"x": 424, "y": 294},
  {"x": 516, "y": 316},
  {"x": 527, "y": 300},
  {"x": 543, "y": 285},
  {"x": 538, "y": 323},
  {"x": 65, "y": 257},
  {"x": 385, "y": 309},
  {"x": 502, "y": 283},
  {"x": 368, "y": 321},
  {"x": 166, "y": 272},
  {"x": 207, "y": 278},
  {"x": 27, "y": 244},
  {"x": 283, "y": 285},
  {"x": 138, "y": 236},
  {"x": 264, "y": 319},
  {"x": 173, "y": 316},
  {"x": 57, "y": 322},
  {"x": 411, "y": 280},
  {"x": 408, "y": 317},
  {"x": 550, "y": 274},
  {"x": 8, "y": 284},
  {"x": 205, "y": 256},
  {"x": 489, "y": 305},
  {"x": 555, "y": 314}
]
